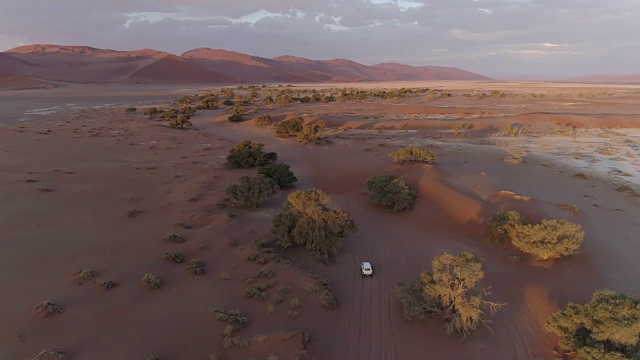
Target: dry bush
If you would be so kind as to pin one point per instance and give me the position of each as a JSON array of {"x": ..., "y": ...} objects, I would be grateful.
[
  {"x": 329, "y": 300},
  {"x": 47, "y": 354},
  {"x": 107, "y": 285},
  {"x": 413, "y": 154},
  {"x": 311, "y": 288},
  {"x": 626, "y": 189},
  {"x": 196, "y": 267},
  {"x": 48, "y": 309},
  {"x": 231, "y": 317},
  {"x": 293, "y": 313},
  {"x": 173, "y": 238},
  {"x": 180, "y": 122},
  {"x": 278, "y": 299},
  {"x": 134, "y": 213},
  {"x": 226, "y": 276},
  {"x": 85, "y": 275},
  {"x": 271, "y": 309},
  {"x": 151, "y": 281},
  {"x": 311, "y": 133},
  {"x": 570, "y": 208},
  {"x": 516, "y": 154},
  {"x": 234, "y": 342},
  {"x": 295, "y": 304},
  {"x": 264, "y": 120},
  {"x": 266, "y": 273},
  {"x": 306, "y": 220},
  {"x": 580, "y": 176},
  {"x": 391, "y": 193},
  {"x": 257, "y": 292},
  {"x": 176, "y": 257}
]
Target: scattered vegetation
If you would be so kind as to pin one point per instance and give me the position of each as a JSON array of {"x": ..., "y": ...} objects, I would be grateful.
[
  {"x": 503, "y": 226},
  {"x": 231, "y": 317},
  {"x": 248, "y": 154},
  {"x": 251, "y": 191},
  {"x": 131, "y": 109},
  {"x": 107, "y": 285},
  {"x": 390, "y": 192},
  {"x": 290, "y": 127},
  {"x": 413, "y": 154},
  {"x": 570, "y": 208},
  {"x": 151, "y": 281},
  {"x": 328, "y": 299},
  {"x": 280, "y": 173},
  {"x": 605, "y": 328},
  {"x": 626, "y": 189},
  {"x": 580, "y": 176},
  {"x": 449, "y": 290},
  {"x": 306, "y": 220},
  {"x": 180, "y": 121},
  {"x": 196, "y": 267},
  {"x": 235, "y": 118},
  {"x": 173, "y": 238}
]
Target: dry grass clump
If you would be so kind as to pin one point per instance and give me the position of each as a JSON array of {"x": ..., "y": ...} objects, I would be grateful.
[
  {"x": 260, "y": 258},
  {"x": 151, "y": 281},
  {"x": 83, "y": 276},
  {"x": 580, "y": 176},
  {"x": 107, "y": 285},
  {"x": 311, "y": 288},
  {"x": 266, "y": 273},
  {"x": 173, "y": 238},
  {"x": 196, "y": 267},
  {"x": 295, "y": 304},
  {"x": 570, "y": 208},
  {"x": 48, "y": 309},
  {"x": 257, "y": 292},
  {"x": 234, "y": 342},
  {"x": 134, "y": 213},
  {"x": 231, "y": 317},
  {"x": 329, "y": 300},
  {"x": 176, "y": 257},
  {"x": 271, "y": 309},
  {"x": 226, "y": 276},
  {"x": 47, "y": 354},
  {"x": 626, "y": 189}
]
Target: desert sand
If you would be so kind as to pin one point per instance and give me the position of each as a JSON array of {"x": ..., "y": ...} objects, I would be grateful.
[{"x": 95, "y": 188}]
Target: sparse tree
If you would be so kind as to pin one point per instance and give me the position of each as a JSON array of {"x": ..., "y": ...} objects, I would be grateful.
[
  {"x": 503, "y": 226},
  {"x": 391, "y": 192},
  {"x": 311, "y": 132},
  {"x": 413, "y": 154},
  {"x": 181, "y": 121},
  {"x": 280, "y": 173},
  {"x": 251, "y": 191},
  {"x": 248, "y": 154},
  {"x": 307, "y": 220}
]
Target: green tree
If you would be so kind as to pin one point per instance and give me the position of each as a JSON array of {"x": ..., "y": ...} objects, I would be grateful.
[
  {"x": 290, "y": 127},
  {"x": 391, "y": 192},
  {"x": 605, "y": 328},
  {"x": 248, "y": 154},
  {"x": 307, "y": 220},
  {"x": 503, "y": 226},
  {"x": 280, "y": 173},
  {"x": 251, "y": 191},
  {"x": 413, "y": 154}
]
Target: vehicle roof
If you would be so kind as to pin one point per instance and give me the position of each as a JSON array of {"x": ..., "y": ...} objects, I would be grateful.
[{"x": 366, "y": 264}]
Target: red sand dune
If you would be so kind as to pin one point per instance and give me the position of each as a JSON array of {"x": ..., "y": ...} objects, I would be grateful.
[
  {"x": 173, "y": 69},
  {"x": 83, "y": 64},
  {"x": 608, "y": 78}
]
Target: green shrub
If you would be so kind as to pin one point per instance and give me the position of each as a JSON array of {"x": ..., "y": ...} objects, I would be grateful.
[
  {"x": 605, "y": 328},
  {"x": 306, "y": 220},
  {"x": 391, "y": 192},
  {"x": 450, "y": 290},
  {"x": 251, "y": 191},
  {"x": 248, "y": 154},
  {"x": 264, "y": 120},
  {"x": 551, "y": 239},
  {"x": 280, "y": 173},
  {"x": 290, "y": 127},
  {"x": 311, "y": 133},
  {"x": 413, "y": 154}
]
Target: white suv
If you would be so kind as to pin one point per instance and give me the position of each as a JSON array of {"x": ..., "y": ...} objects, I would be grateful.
[{"x": 366, "y": 269}]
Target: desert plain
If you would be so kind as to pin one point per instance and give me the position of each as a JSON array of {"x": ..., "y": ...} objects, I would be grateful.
[{"x": 88, "y": 186}]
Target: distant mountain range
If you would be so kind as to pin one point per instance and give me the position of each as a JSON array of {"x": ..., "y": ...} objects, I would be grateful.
[{"x": 38, "y": 65}]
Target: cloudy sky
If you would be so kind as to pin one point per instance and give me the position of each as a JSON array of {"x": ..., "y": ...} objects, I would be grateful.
[{"x": 500, "y": 38}]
